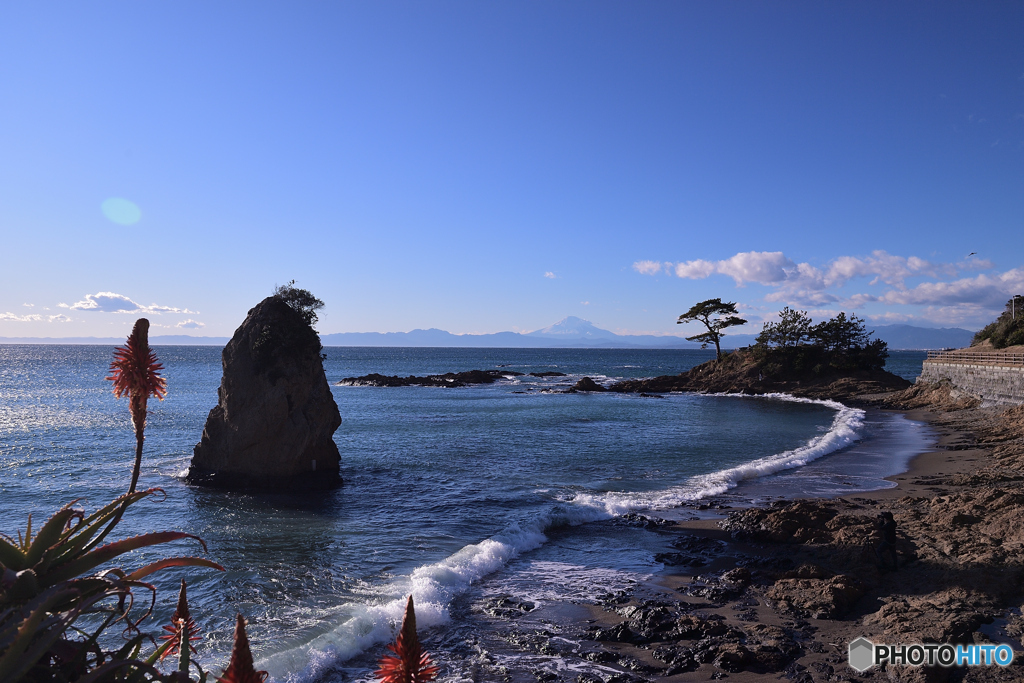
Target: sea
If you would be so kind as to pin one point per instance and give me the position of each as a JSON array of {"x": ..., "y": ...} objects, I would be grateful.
[{"x": 515, "y": 491}]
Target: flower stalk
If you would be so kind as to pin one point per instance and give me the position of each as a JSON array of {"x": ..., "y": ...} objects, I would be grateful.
[{"x": 135, "y": 373}]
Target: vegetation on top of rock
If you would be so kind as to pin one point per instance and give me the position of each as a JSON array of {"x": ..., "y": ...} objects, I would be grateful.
[
  {"x": 1007, "y": 329},
  {"x": 301, "y": 300},
  {"x": 714, "y": 315},
  {"x": 794, "y": 346}
]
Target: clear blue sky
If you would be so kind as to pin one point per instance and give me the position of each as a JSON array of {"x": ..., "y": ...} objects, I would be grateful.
[{"x": 487, "y": 166}]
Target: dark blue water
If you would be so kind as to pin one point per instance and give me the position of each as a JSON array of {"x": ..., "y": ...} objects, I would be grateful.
[{"x": 443, "y": 487}]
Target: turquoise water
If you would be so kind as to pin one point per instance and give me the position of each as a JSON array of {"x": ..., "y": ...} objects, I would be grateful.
[{"x": 443, "y": 487}]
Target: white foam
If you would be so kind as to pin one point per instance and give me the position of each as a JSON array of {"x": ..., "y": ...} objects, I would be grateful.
[
  {"x": 842, "y": 433},
  {"x": 434, "y": 586}
]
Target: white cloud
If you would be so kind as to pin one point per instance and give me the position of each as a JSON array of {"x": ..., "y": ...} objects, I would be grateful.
[
  {"x": 109, "y": 302},
  {"x": 985, "y": 290},
  {"x": 29, "y": 305},
  {"x": 647, "y": 267},
  {"x": 936, "y": 288},
  {"x": 549, "y": 275},
  {"x": 190, "y": 324},
  {"x": 33, "y": 318},
  {"x": 764, "y": 267},
  {"x": 585, "y": 303},
  {"x": 695, "y": 270}
]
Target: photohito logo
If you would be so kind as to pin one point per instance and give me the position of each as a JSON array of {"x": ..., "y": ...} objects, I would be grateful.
[{"x": 864, "y": 654}]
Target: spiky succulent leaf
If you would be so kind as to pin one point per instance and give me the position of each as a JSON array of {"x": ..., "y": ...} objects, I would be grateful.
[
  {"x": 143, "y": 572},
  {"x": 105, "y": 553}
]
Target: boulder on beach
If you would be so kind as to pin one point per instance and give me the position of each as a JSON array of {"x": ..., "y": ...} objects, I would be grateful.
[{"x": 275, "y": 419}]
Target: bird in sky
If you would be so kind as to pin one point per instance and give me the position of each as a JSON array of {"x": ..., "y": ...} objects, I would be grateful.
[{"x": 971, "y": 254}]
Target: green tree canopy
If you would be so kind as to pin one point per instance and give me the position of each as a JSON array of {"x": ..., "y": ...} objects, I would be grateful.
[
  {"x": 793, "y": 329},
  {"x": 302, "y": 300},
  {"x": 715, "y": 315},
  {"x": 1008, "y": 328},
  {"x": 841, "y": 333}
]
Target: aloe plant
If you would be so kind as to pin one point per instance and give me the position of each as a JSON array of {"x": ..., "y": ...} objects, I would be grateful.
[{"x": 52, "y": 577}]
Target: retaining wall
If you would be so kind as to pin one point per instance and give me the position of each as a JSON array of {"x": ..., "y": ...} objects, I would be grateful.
[{"x": 993, "y": 384}]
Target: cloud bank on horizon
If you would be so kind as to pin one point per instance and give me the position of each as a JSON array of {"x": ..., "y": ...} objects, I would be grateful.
[
  {"x": 104, "y": 302},
  {"x": 111, "y": 302},
  {"x": 874, "y": 286}
]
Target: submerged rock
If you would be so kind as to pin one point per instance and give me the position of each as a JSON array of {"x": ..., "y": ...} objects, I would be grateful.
[{"x": 275, "y": 419}]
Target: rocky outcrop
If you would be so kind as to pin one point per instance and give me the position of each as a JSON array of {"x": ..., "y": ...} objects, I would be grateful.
[
  {"x": 741, "y": 373},
  {"x": 585, "y": 384},
  {"x": 275, "y": 419},
  {"x": 447, "y": 380}
]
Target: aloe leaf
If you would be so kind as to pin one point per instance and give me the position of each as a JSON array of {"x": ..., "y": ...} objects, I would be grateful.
[
  {"x": 11, "y": 556},
  {"x": 152, "y": 659},
  {"x": 108, "y": 552},
  {"x": 92, "y": 524},
  {"x": 49, "y": 534},
  {"x": 22, "y": 654},
  {"x": 143, "y": 572}
]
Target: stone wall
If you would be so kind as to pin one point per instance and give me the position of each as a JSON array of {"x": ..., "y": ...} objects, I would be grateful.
[{"x": 993, "y": 384}]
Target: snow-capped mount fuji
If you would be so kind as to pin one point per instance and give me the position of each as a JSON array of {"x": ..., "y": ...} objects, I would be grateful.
[{"x": 572, "y": 327}]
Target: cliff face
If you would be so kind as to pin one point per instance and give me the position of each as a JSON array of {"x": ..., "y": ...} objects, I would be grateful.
[{"x": 275, "y": 419}]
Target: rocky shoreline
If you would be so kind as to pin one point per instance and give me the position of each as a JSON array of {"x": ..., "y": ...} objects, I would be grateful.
[{"x": 778, "y": 592}]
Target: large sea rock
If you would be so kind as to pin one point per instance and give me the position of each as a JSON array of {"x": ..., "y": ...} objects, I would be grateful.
[{"x": 274, "y": 423}]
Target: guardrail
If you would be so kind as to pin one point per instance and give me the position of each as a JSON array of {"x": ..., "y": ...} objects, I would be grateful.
[{"x": 1001, "y": 358}]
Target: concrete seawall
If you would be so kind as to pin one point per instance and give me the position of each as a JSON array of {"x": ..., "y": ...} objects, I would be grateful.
[{"x": 993, "y": 384}]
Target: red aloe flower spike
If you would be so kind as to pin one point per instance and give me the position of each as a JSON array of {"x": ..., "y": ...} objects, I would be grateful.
[
  {"x": 135, "y": 372},
  {"x": 412, "y": 665},
  {"x": 182, "y": 626},
  {"x": 240, "y": 669}
]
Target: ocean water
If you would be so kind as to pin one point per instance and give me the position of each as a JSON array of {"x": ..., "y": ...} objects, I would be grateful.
[{"x": 446, "y": 490}]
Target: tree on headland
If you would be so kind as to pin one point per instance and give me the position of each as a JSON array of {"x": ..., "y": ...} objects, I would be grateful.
[
  {"x": 1007, "y": 329},
  {"x": 793, "y": 329},
  {"x": 715, "y": 316},
  {"x": 302, "y": 300},
  {"x": 840, "y": 343}
]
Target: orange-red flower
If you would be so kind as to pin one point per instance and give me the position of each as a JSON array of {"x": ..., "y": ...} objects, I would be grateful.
[
  {"x": 412, "y": 665},
  {"x": 240, "y": 668},
  {"x": 136, "y": 372},
  {"x": 182, "y": 625}
]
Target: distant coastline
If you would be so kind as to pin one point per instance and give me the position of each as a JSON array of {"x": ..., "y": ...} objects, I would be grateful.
[
  {"x": 899, "y": 337},
  {"x": 570, "y": 332}
]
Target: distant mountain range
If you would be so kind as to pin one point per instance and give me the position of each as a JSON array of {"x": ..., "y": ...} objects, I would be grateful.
[{"x": 571, "y": 332}]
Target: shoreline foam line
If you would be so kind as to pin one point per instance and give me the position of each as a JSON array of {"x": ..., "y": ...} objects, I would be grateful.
[
  {"x": 844, "y": 431},
  {"x": 435, "y": 585}
]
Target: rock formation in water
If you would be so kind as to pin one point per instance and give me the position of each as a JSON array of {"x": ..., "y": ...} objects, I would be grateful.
[
  {"x": 740, "y": 372},
  {"x": 447, "y": 380},
  {"x": 274, "y": 423},
  {"x": 585, "y": 384}
]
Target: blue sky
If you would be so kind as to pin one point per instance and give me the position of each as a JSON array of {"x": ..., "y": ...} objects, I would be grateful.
[{"x": 480, "y": 167}]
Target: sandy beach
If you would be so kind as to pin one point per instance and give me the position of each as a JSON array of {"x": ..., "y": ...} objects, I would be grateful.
[{"x": 778, "y": 592}]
